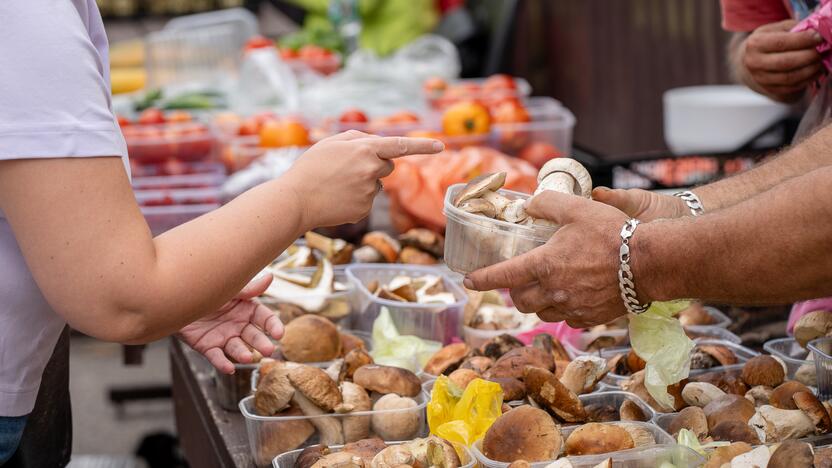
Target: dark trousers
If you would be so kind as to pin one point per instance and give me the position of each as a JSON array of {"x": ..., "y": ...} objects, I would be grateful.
[{"x": 47, "y": 439}]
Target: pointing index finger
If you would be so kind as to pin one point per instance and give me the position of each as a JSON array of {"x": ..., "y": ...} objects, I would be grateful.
[{"x": 395, "y": 147}]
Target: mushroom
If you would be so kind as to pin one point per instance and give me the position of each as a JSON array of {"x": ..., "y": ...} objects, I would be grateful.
[
  {"x": 760, "y": 395},
  {"x": 515, "y": 211},
  {"x": 355, "y": 400},
  {"x": 441, "y": 454},
  {"x": 564, "y": 175},
  {"x": 524, "y": 433},
  {"x": 478, "y": 364},
  {"x": 781, "y": 397},
  {"x": 310, "y": 338},
  {"x": 582, "y": 374},
  {"x": 522, "y": 464},
  {"x": 635, "y": 384},
  {"x": 340, "y": 459},
  {"x": 763, "y": 370},
  {"x": 604, "y": 342},
  {"x": 335, "y": 370},
  {"x": 545, "y": 389},
  {"x": 479, "y": 206},
  {"x": 298, "y": 256},
  {"x": 823, "y": 457},
  {"x": 414, "y": 256},
  {"x": 462, "y": 377},
  {"x": 728, "y": 407},
  {"x": 735, "y": 431},
  {"x": 809, "y": 404},
  {"x": 708, "y": 356},
  {"x": 447, "y": 359},
  {"x": 813, "y": 325},
  {"x": 631, "y": 411},
  {"x": 402, "y": 424},
  {"x": 723, "y": 455},
  {"x": 393, "y": 456},
  {"x": 310, "y": 455},
  {"x": 701, "y": 393},
  {"x": 515, "y": 361},
  {"x": 312, "y": 297},
  {"x": 279, "y": 437},
  {"x": 354, "y": 360},
  {"x": 513, "y": 389},
  {"x": 479, "y": 185},
  {"x": 598, "y": 438},
  {"x": 498, "y": 346},
  {"x": 350, "y": 342},
  {"x": 385, "y": 245},
  {"x": 807, "y": 373},
  {"x": 727, "y": 381},
  {"x": 552, "y": 346},
  {"x": 775, "y": 425},
  {"x": 316, "y": 385},
  {"x": 691, "y": 418},
  {"x": 424, "y": 239},
  {"x": 338, "y": 251},
  {"x": 388, "y": 379},
  {"x": 329, "y": 427},
  {"x": 600, "y": 412},
  {"x": 641, "y": 435},
  {"x": 792, "y": 453},
  {"x": 274, "y": 391},
  {"x": 367, "y": 254},
  {"x": 365, "y": 449},
  {"x": 695, "y": 314},
  {"x": 756, "y": 458},
  {"x": 634, "y": 362}
]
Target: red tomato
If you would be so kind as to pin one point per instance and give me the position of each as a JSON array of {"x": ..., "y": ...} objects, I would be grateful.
[
  {"x": 250, "y": 126},
  {"x": 151, "y": 116},
  {"x": 179, "y": 116},
  {"x": 287, "y": 53},
  {"x": 258, "y": 42},
  {"x": 538, "y": 153},
  {"x": 353, "y": 115},
  {"x": 403, "y": 117},
  {"x": 122, "y": 121},
  {"x": 434, "y": 87},
  {"x": 510, "y": 111},
  {"x": 313, "y": 52},
  {"x": 498, "y": 82}
]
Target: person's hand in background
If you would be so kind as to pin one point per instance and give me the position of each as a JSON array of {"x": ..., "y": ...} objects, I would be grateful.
[
  {"x": 776, "y": 62},
  {"x": 574, "y": 276},
  {"x": 336, "y": 180},
  {"x": 641, "y": 204},
  {"x": 235, "y": 329}
]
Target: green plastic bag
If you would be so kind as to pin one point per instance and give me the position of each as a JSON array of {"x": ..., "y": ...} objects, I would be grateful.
[{"x": 392, "y": 349}]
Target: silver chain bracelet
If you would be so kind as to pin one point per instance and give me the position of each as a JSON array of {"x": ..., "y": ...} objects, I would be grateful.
[
  {"x": 692, "y": 201},
  {"x": 625, "y": 273}
]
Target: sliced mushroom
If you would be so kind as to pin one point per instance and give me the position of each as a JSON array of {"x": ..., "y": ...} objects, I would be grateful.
[
  {"x": 479, "y": 206},
  {"x": 582, "y": 374},
  {"x": 447, "y": 359},
  {"x": 551, "y": 394},
  {"x": 479, "y": 185}
]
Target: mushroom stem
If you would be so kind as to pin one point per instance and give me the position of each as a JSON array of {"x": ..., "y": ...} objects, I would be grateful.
[
  {"x": 328, "y": 427},
  {"x": 774, "y": 425},
  {"x": 561, "y": 182}
]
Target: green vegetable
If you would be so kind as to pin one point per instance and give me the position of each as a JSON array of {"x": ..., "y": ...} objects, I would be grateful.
[
  {"x": 191, "y": 101},
  {"x": 392, "y": 349},
  {"x": 659, "y": 339},
  {"x": 149, "y": 99}
]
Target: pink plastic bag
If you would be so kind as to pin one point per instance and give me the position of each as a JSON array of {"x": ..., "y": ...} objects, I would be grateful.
[
  {"x": 802, "y": 308},
  {"x": 559, "y": 330},
  {"x": 819, "y": 112}
]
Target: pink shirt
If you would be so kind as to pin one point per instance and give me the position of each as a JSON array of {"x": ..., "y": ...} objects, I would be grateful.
[
  {"x": 748, "y": 15},
  {"x": 54, "y": 103}
]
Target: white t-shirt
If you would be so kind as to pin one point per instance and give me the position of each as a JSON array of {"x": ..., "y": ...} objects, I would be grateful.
[{"x": 54, "y": 103}]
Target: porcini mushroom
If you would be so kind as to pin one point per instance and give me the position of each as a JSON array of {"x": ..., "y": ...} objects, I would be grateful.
[
  {"x": 441, "y": 454},
  {"x": 393, "y": 456},
  {"x": 775, "y": 425},
  {"x": 462, "y": 377},
  {"x": 513, "y": 389},
  {"x": 388, "y": 379},
  {"x": 313, "y": 297},
  {"x": 329, "y": 427},
  {"x": 734, "y": 431},
  {"x": 282, "y": 437},
  {"x": 641, "y": 435},
  {"x": 354, "y": 360},
  {"x": 414, "y": 256},
  {"x": 424, "y": 239},
  {"x": 813, "y": 325},
  {"x": 809, "y": 404},
  {"x": 701, "y": 393},
  {"x": 365, "y": 449},
  {"x": 598, "y": 438},
  {"x": 763, "y": 370},
  {"x": 355, "y": 400},
  {"x": 564, "y": 175},
  {"x": 315, "y": 385},
  {"x": 723, "y": 455},
  {"x": 583, "y": 373},
  {"x": 478, "y": 364},
  {"x": 479, "y": 185},
  {"x": 552, "y": 395},
  {"x": 728, "y": 407},
  {"x": 512, "y": 363},
  {"x": 524, "y": 433},
  {"x": 385, "y": 245},
  {"x": 298, "y": 344},
  {"x": 403, "y": 424},
  {"x": 274, "y": 391},
  {"x": 691, "y": 418},
  {"x": 781, "y": 397},
  {"x": 631, "y": 411},
  {"x": 447, "y": 359},
  {"x": 792, "y": 453}
]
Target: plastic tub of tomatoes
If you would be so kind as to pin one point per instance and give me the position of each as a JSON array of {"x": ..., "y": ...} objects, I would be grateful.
[
  {"x": 401, "y": 123},
  {"x": 156, "y": 137},
  {"x": 542, "y": 133},
  {"x": 245, "y": 139},
  {"x": 440, "y": 93}
]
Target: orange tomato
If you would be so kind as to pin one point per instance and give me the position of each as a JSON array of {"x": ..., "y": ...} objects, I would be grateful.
[
  {"x": 249, "y": 126},
  {"x": 179, "y": 116},
  {"x": 434, "y": 87},
  {"x": 403, "y": 117},
  {"x": 122, "y": 121},
  {"x": 275, "y": 134},
  {"x": 498, "y": 82},
  {"x": 287, "y": 53},
  {"x": 257, "y": 42},
  {"x": 151, "y": 116},
  {"x": 538, "y": 153},
  {"x": 510, "y": 112},
  {"x": 466, "y": 118}
]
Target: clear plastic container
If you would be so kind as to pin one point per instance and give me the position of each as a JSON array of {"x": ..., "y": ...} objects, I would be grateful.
[
  {"x": 155, "y": 144},
  {"x": 476, "y": 337},
  {"x": 550, "y": 123},
  {"x": 287, "y": 460},
  {"x": 437, "y": 322},
  {"x": 163, "y": 218},
  {"x": 267, "y": 434},
  {"x": 576, "y": 346},
  {"x": 615, "y": 398},
  {"x": 712, "y": 333},
  {"x": 720, "y": 319},
  {"x": 742, "y": 353},
  {"x": 798, "y": 365},
  {"x": 822, "y": 351},
  {"x": 329, "y": 305},
  {"x": 176, "y": 168},
  {"x": 473, "y": 241},
  {"x": 521, "y": 91},
  {"x": 185, "y": 181},
  {"x": 632, "y": 455},
  {"x": 234, "y": 387}
]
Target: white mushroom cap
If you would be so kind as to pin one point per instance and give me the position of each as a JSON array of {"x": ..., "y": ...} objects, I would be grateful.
[
  {"x": 479, "y": 185},
  {"x": 583, "y": 181}
]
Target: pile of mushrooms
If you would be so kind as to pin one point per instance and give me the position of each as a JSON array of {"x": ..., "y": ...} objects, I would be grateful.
[
  {"x": 480, "y": 196},
  {"x": 527, "y": 435},
  {"x": 293, "y": 294},
  {"x": 426, "y": 289},
  {"x": 704, "y": 356},
  {"x": 488, "y": 311},
  {"x": 353, "y": 384},
  {"x": 817, "y": 324},
  {"x": 375, "y": 453},
  {"x": 791, "y": 453}
]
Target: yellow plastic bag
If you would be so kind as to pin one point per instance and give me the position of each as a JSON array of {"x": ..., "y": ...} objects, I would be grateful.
[{"x": 463, "y": 417}]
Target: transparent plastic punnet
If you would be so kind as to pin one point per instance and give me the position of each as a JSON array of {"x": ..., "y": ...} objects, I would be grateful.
[
  {"x": 268, "y": 435},
  {"x": 337, "y": 306},
  {"x": 288, "y": 459},
  {"x": 436, "y": 322},
  {"x": 646, "y": 456},
  {"x": 615, "y": 398},
  {"x": 473, "y": 241},
  {"x": 822, "y": 352},
  {"x": 798, "y": 365}
]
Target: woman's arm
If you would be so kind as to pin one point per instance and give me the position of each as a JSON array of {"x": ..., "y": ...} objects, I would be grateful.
[{"x": 93, "y": 256}]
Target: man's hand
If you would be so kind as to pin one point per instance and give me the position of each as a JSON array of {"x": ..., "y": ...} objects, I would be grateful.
[
  {"x": 235, "y": 329},
  {"x": 574, "y": 277},
  {"x": 641, "y": 204},
  {"x": 779, "y": 63}
]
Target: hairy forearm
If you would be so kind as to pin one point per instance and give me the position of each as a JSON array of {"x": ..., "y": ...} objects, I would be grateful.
[
  {"x": 808, "y": 155},
  {"x": 773, "y": 248}
]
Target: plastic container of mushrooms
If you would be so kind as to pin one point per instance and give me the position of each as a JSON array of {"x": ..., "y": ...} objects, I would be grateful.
[
  {"x": 290, "y": 459},
  {"x": 473, "y": 241},
  {"x": 429, "y": 321},
  {"x": 270, "y": 436},
  {"x": 332, "y": 298},
  {"x": 799, "y": 361},
  {"x": 708, "y": 356},
  {"x": 608, "y": 405},
  {"x": 822, "y": 353},
  {"x": 662, "y": 449}
]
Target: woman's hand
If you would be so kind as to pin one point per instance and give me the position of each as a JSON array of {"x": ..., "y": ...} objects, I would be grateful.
[
  {"x": 641, "y": 204},
  {"x": 235, "y": 329},
  {"x": 338, "y": 178}
]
